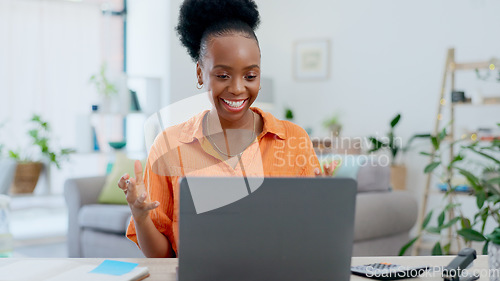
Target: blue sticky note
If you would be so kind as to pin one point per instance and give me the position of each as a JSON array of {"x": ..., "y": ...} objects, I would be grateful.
[{"x": 111, "y": 267}]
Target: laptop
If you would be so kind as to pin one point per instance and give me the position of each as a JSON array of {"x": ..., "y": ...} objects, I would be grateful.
[{"x": 233, "y": 228}]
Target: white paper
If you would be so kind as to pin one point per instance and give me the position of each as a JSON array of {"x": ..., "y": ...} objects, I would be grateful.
[
  {"x": 33, "y": 270},
  {"x": 60, "y": 270}
]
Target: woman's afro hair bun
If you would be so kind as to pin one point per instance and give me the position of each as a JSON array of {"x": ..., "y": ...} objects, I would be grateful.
[{"x": 198, "y": 15}]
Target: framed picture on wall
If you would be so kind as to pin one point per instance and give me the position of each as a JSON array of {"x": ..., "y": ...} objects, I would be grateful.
[{"x": 311, "y": 59}]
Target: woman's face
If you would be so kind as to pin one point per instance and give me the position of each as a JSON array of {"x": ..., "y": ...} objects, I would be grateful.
[{"x": 230, "y": 71}]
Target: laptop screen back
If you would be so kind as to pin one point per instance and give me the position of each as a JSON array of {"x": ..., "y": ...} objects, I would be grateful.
[{"x": 286, "y": 229}]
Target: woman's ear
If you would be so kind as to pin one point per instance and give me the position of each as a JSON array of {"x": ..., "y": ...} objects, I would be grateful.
[{"x": 199, "y": 74}]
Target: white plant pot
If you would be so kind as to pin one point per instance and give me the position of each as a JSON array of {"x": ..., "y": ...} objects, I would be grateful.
[{"x": 494, "y": 260}]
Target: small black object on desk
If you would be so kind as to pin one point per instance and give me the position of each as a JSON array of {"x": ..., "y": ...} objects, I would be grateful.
[{"x": 452, "y": 272}]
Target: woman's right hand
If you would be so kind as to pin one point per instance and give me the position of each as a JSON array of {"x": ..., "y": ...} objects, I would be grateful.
[{"x": 135, "y": 191}]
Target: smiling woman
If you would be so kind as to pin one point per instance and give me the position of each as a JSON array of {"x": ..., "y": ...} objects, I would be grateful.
[{"x": 230, "y": 139}]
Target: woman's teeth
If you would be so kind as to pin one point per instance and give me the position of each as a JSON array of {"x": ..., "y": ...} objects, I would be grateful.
[{"x": 234, "y": 104}]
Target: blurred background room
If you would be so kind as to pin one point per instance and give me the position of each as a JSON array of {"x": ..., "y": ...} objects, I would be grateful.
[{"x": 80, "y": 78}]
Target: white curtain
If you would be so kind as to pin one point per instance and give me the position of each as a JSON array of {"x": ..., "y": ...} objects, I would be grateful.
[{"x": 48, "y": 51}]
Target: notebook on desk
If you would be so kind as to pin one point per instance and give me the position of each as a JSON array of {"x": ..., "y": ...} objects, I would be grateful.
[
  {"x": 63, "y": 270},
  {"x": 266, "y": 229}
]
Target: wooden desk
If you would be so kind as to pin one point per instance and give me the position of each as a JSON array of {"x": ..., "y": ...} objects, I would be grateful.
[{"x": 165, "y": 269}]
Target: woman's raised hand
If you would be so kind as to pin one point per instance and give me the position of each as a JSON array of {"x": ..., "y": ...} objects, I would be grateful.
[
  {"x": 135, "y": 191},
  {"x": 328, "y": 169}
]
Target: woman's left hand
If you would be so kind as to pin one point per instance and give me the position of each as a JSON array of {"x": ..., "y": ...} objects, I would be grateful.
[{"x": 328, "y": 169}]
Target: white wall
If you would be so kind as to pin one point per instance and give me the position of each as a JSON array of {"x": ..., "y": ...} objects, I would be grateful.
[
  {"x": 148, "y": 41},
  {"x": 182, "y": 68},
  {"x": 48, "y": 51},
  {"x": 387, "y": 57}
]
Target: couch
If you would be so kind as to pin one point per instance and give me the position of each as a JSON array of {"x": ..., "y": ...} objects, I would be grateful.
[{"x": 383, "y": 218}]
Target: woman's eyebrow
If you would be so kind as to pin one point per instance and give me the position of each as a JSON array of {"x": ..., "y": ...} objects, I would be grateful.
[
  {"x": 252, "y": 66},
  {"x": 229, "y": 67}
]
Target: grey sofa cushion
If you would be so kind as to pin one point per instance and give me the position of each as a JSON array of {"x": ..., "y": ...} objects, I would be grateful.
[
  {"x": 374, "y": 177},
  {"x": 97, "y": 244},
  {"x": 380, "y": 214},
  {"x": 370, "y": 171},
  {"x": 381, "y": 247},
  {"x": 105, "y": 217}
]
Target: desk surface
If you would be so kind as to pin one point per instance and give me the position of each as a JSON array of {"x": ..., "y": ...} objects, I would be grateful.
[{"x": 165, "y": 269}]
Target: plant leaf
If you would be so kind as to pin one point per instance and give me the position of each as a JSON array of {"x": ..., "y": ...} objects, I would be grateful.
[
  {"x": 376, "y": 144},
  {"x": 14, "y": 155},
  {"x": 486, "y": 155},
  {"x": 425, "y": 153},
  {"x": 451, "y": 222},
  {"x": 429, "y": 168},
  {"x": 408, "y": 145},
  {"x": 395, "y": 121},
  {"x": 452, "y": 205},
  {"x": 480, "y": 198},
  {"x": 435, "y": 142},
  {"x": 471, "y": 234},
  {"x": 442, "y": 135},
  {"x": 473, "y": 180},
  {"x": 33, "y": 133},
  {"x": 485, "y": 248},
  {"x": 433, "y": 229},
  {"x": 446, "y": 248},
  {"x": 494, "y": 181},
  {"x": 465, "y": 223},
  {"x": 52, "y": 156},
  {"x": 457, "y": 159},
  {"x": 426, "y": 220},
  {"x": 407, "y": 245},
  {"x": 484, "y": 217},
  {"x": 436, "y": 251},
  {"x": 66, "y": 151},
  {"x": 441, "y": 219},
  {"x": 494, "y": 198},
  {"x": 494, "y": 236}
]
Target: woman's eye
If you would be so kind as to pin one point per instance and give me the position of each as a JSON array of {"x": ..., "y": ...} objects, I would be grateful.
[
  {"x": 251, "y": 77},
  {"x": 223, "y": 76}
]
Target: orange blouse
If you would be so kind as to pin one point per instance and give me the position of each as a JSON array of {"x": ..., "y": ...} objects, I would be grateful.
[{"x": 282, "y": 149}]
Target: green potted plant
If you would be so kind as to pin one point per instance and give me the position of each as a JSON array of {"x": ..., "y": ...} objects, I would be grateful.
[
  {"x": 30, "y": 160},
  {"x": 394, "y": 146},
  {"x": 485, "y": 190},
  {"x": 105, "y": 88},
  {"x": 102, "y": 84},
  {"x": 333, "y": 125}
]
